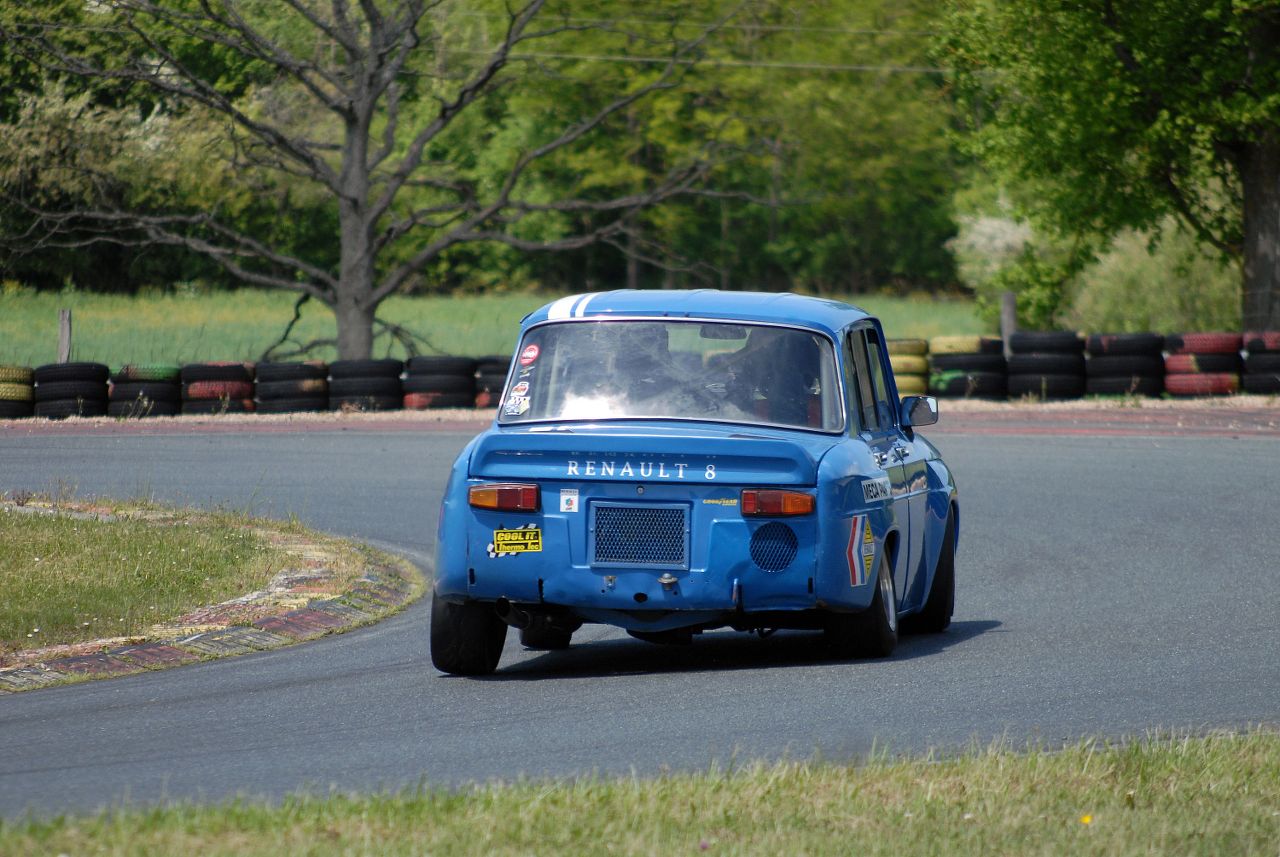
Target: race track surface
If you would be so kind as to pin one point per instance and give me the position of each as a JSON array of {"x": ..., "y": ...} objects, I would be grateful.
[{"x": 1110, "y": 583}]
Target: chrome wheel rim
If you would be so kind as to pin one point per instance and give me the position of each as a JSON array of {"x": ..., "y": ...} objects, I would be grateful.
[{"x": 886, "y": 597}]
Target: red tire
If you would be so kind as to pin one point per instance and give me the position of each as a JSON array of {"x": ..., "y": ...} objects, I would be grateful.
[
  {"x": 1186, "y": 364},
  {"x": 1259, "y": 341},
  {"x": 205, "y": 390},
  {"x": 1203, "y": 384},
  {"x": 420, "y": 401},
  {"x": 1203, "y": 343}
]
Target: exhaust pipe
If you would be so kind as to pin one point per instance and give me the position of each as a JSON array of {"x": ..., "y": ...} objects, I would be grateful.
[{"x": 513, "y": 615}]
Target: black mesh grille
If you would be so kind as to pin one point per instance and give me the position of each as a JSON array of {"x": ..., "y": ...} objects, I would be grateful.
[
  {"x": 773, "y": 546},
  {"x": 641, "y": 535}
]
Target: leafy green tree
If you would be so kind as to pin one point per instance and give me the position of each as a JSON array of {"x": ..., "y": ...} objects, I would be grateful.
[{"x": 1117, "y": 113}]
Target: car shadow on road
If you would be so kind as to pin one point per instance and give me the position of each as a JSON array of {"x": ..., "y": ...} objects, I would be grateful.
[{"x": 719, "y": 651}]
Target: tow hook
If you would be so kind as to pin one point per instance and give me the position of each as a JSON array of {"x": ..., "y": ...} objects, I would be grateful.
[{"x": 668, "y": 581}]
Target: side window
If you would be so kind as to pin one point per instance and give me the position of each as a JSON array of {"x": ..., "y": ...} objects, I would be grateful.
[
  {"x": 875, "y": 357},
  {"x": 864, "y": 392}
]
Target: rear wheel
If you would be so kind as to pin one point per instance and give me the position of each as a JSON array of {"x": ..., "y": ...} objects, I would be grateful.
[
  {"x": 935, "y": 616},
  {"x": 873, "y": 633},
  {"x": 467, "y": 638}
]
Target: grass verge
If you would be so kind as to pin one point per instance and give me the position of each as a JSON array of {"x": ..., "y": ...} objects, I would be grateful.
[
  {"x": 241, "y": 325},
  {"x": 80, "y": 573},
  {"x": 1187, "y": 796}
]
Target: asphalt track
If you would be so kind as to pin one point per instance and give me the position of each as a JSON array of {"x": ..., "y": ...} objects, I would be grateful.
[{"x": 1109, "y": 584}]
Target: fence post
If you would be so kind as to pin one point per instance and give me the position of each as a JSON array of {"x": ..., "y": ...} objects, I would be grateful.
[
  {"x": 1008, "y": 319},
  {"x": 64, "y": 335}
]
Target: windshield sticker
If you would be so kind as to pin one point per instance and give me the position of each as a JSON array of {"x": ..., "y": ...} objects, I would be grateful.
[
  {"x": 526, "y": 539},
  {"x": 877, "y": 489},
  {"x": 529, "y": 355},
  {"x": 568, "y": 499},
  {"x": 516, "y": 405},
  {"x": 520, "y": 389},
  {"x": 861, "y": 551}
]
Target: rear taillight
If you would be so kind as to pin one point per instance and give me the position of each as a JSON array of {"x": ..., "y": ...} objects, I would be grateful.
[
  {"x": 504, "y": 497},
  {"x": 774, "y": 503}
]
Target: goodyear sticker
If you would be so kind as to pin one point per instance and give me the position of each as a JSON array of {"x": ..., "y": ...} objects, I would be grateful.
[
  {"x": 861, "y": 550},
  {"x": 526, "y": 539}
]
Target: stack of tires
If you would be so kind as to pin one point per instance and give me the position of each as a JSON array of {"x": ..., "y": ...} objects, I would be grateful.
[
  {"x": 290, "y": 388},
  {"x": 1262, "y": 363},
  {"x": 145, "y": 390},
  {"x": 217, "y": 388},
  {"x": 1202, "y": 364},
  {"x": 17, "y": 392},
  {"x": 967, "y": 367},
  {"x": 910, "y": 361},
  {"x": 1046, "y": 365},
  {"x": 1125, "y": 364},
  {"x": 439, "y": 382},
  {"x": 366, "y": 385},
  {"x": 491, "y": 375},
  {"x": 70, "y": 390}
]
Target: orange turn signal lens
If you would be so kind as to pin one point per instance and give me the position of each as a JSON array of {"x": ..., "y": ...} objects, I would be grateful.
[
  {"x": 504, "y": 497},
  {"x": 776, "y": 503}
]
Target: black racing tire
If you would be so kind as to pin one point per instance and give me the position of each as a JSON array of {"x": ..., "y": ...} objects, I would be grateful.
[
  {"x": 969, "y": 384},
  {"x": 52, "y": 372},
  {"x": 56, "y": 409},
  {"x": 873, "y": 633},
  {"x": 490, "y": 383},
  {"x": 1262, "y": 364},
  {"x": 493, "y": 364},
  {"x": 1124, "y": 344},
  {"x": 466, "y": 638},
  {"x": 968, "y": 363},
  {"x": 935, "y": 616},
  {"x": 218, "y": 371},
  {"x": 156, "y": 391},
  {"x": 1262, "y": 341},
  {"x": 293, "y": 406},
  {"x": 366, "y": 386},
  {"x": 298, "y": 388},
  {"x": 1045, "y": 387},
  {"x": 134, "y": 372},
  {"x": 1126, "y": 365},
  {"x": 17, "y": 375},
  {"x": 1045, "y": 342},
  {"x": 49, "y": 391},
  {"x": 1046, "y": 363},
  {"x": 1125, "y": 385},
  {"x": 440, "y": 365},
  {"x": 381, "y": 368},
  {"x": 366, "y": 403},
  {"x": 140, "y": 409},
  {"x": 1261, "y": 384},
  {"x": 1191, "y": 363},
  {"x": 276, "y": 372},
  {"x": 218, "y": 406},
  {"x": 11, "y": 410},
  {"x": 440, "y": 384}
]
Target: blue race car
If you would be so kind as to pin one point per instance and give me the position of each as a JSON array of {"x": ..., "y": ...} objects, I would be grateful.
[{"x": 673, "y": 462}]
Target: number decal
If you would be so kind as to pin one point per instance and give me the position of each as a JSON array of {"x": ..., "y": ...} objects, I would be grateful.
[{"x": 711, "y": 471}]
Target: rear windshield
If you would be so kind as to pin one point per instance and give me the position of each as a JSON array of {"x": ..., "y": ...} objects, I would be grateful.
[{"x": 625, "y": 369}]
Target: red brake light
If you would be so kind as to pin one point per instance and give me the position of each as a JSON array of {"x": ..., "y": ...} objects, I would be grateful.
[
  {"x": 776, "y": 503},
  {"x": 504, "y": 496}
]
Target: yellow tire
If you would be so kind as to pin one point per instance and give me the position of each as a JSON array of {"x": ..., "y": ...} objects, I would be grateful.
[
  {"x": 908, "y": 346},
  {"x": 15, "y": 375},
  {"x": 16, "y": 392},
  {"x": 912, "y": 385},
  {"x": 909, "y": 364},
  {"x": 963, "y": 345}
]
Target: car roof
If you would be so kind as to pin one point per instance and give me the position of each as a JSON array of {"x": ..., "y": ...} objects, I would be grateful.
[{"x": 820, "y": 314}]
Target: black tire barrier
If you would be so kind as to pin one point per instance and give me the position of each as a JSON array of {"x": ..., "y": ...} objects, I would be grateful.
[
  {"x": 1132, "y": 385},
  {"x": 12, "y": 410},
  {"x": 440, "y": 365},
  {"x": 17, "y": 375},
  {"x": 1262, "y": 341},
  {"x": 219, "y": 406},
  {"x": 132, "y": 372},
  {"x": 293, "y": 406},
  {"x": 365, "y": 386},
  {"x": 493, "y": 364},
  {"x": 142, "y": 408},
  {"x": 51, "y": 391},
  {"x": 383, "y": 368},
  {"x": 1124, "y": 344},
  {"x": 976, "y": 362},
  {"x": 969, "y": 385},
  {"x": 440, "y": 384},
  {"x": 1045, "y": 342},
  {"x": 298, "y": 388},
  {"x": 1265, "y": 363},
  {"x": 1046, "y": 363},
  {"x": 1203, "y": 343},
  {"x": 56, "y": 409},
  {"x": 218, "y": 371},
  {"x": 1046, "y": 387},
  {"x": 52, "y": 372},
  {"x": 1191, "y": 363},
  {"x": 366, "y": 403},
  {"x": 1124, "y": 366},
  {"x": 156, "y": 391},
  {"x": 1261, "y": 384},
  {"x": 273, "y": 372}
]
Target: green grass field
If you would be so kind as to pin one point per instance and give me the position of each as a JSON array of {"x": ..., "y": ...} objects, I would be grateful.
[
  {"x": 1211, "y": 796},
  {"x": 240, "y": 325}
]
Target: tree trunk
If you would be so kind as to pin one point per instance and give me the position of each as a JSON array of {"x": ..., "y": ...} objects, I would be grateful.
[
  {"x": 1260, "y": 176},
  {"x": 355, "y": 329}
]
